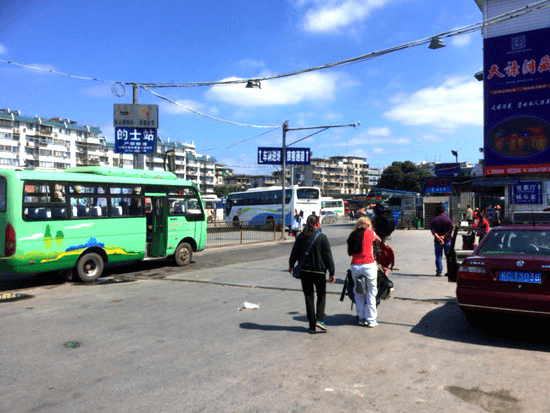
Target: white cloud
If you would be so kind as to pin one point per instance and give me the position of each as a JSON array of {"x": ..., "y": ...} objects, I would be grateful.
[
  {"x": 463, "y": 40},
  {"x": 3, "y": 49},
  {"x": 383, "y": 131},
  {"x": 456, "y": 102},
  {"x": 313, "y": 87},
  {"x": 98, "y": 91},
  {"x": 333, "y": 15},
  {"x": 168, "y": 107},
  {"x": 251, "y": 63}
]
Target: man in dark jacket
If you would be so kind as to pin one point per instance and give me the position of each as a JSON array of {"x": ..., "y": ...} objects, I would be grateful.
[
  {"x": 313, "y": 270},
  {"x": 442, "y": 228}
]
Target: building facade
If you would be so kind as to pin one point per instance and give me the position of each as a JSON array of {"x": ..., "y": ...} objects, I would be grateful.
[
  {"x": 338, "y": 176},
  {"x": 57, "y": 144}
]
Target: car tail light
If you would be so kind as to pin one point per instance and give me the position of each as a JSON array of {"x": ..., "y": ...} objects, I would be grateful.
[
  {"x": 471, "y": 272},
  {"x": 9, "y": 240}
]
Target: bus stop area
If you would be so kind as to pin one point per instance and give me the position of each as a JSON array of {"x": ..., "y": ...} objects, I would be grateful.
[{"x": 229, "y": 333}]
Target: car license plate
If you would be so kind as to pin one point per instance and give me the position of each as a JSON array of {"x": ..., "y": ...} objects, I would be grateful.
[{"x": 520, "y": 276}]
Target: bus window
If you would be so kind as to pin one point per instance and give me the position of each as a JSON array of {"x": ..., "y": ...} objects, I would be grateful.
[
  {"x": 3, "y": 195},
  {"x": 128, "y": 203},
  {"x": 307, "y": 193},
  {"x": 185, "y": 203}
]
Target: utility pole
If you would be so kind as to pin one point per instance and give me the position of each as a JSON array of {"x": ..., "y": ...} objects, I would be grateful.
[
  {"x": 283, "y": 179},
  {"x": 283, "y": 156},
  {"x": 139, "y": 158}
]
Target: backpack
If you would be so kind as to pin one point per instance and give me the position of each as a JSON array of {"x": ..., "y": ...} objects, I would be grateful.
[
  {"x": 355, "y": 242},
  {"x": 385, "y": 255},
  {"x": 385, "y": 287},
  {"x": 383, "y": 221}
]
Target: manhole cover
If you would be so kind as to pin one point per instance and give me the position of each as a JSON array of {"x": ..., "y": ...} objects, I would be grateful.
[{"x": 9, "y": 297}]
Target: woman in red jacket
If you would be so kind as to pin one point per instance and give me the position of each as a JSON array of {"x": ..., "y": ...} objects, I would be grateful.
[
  {"x": 483, "y": 226},
  {"x": 364, "y": 272}
]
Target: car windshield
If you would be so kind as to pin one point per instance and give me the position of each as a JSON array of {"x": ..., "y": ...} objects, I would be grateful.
[{"x": 517, "y": 241}]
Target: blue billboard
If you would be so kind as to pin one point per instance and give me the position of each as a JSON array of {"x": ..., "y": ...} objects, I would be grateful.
[
  {"x": 273, "y": 156},
  {"x": 517, "y": 103},
  {"x": 135, "y": 140}
]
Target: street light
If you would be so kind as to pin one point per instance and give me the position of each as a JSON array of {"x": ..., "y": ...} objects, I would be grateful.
[
  {"x": 436, "y": 43},
  {"x": 455, "y": 153}
]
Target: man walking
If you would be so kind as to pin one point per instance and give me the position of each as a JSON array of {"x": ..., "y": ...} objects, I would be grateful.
[{"x": 442, "y": 228}]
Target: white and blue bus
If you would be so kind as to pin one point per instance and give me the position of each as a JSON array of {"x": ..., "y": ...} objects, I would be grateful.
[
  {"x": 334, "y": 205},
  {"x": 262, "y": 206}
]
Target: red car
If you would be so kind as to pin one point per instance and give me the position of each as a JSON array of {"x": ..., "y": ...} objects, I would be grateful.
[{"x": 508, "y": 272}]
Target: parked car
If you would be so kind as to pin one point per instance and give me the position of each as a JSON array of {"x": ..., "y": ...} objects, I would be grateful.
[
  {"x": 328, "y": 217},
  {"x": 508, "y": 272}
]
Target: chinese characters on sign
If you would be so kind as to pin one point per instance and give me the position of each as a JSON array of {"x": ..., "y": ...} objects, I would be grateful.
[
  {"x": 517, "y": 102},
  {"x": 135, "y": 140},
  {"x": 136, "y": 116},
  {"x": 438, "y": 185},
  {"x": 273, "y": 156},
  {"x": 527, "y": 193}
]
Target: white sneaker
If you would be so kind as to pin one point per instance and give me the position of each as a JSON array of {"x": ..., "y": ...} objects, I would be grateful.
[{"x": 372, "y": 324}]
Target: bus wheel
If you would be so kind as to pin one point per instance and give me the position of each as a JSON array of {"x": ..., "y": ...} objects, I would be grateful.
[
  {"x": 270, "y": 223},
  {"x": 235, "y": 222},
  {"x": 183, "y": 254},
  {"x": 89, "y": 267}
]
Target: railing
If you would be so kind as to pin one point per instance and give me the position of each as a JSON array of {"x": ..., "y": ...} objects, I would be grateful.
[{"x": 221, "y": 234}]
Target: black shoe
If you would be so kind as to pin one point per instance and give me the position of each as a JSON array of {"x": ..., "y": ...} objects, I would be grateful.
[
  {"x": 311, "y": 330},
  {"x": 438, "y": 274}
]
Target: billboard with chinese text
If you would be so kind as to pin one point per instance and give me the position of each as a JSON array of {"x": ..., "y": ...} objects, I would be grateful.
[
  {"x": 517, "y": 103},
  {"x": 273, "y": 156}
]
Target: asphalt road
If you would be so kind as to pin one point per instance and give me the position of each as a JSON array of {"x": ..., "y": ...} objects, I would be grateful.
[{"x": 174, "y": 340}]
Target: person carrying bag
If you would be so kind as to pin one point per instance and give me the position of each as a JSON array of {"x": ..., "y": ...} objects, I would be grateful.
[{"x": 312, "y": 251}]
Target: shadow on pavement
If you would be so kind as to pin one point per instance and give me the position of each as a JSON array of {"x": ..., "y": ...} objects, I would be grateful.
[{"x": 449, "y": 323}]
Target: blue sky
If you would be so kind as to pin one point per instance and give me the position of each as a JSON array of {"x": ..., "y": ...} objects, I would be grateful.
[{"x": 416, "y": 104}]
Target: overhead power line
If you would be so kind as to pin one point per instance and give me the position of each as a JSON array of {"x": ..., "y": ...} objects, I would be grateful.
[{"x": 536, "y": 6}]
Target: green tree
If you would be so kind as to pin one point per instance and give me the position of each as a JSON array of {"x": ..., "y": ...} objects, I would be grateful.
[
  {"x": 222, "y": 191},
  {"x": 403, "y": 176}
]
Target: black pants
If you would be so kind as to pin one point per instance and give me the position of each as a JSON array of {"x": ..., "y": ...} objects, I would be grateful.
[{"x": 309, "y": 280}]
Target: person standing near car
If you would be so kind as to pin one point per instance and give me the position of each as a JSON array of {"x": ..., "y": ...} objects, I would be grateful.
[
  {"x": 364, "y": 266},
  {"x": 442, "y": 227},
  {"x": 482, "y": 226},
  {"x": 313, "y": 270}
]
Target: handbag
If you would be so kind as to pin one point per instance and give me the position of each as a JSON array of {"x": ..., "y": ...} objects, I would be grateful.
[{"x": 296, "y": 270}]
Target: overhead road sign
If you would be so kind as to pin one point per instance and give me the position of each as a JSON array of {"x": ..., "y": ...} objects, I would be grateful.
[
  {"x": 273, "y": 156},
  {"x": 135, "y": 140}
]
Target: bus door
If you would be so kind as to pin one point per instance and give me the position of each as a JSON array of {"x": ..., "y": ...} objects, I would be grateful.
[{"x": 157, "y": 224}]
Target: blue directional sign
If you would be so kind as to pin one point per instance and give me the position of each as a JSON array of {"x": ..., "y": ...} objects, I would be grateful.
[
  {"x": 135, "y": 140},
  {"x": 526, "y": 192},
  {"x": 273, "y": 156}
]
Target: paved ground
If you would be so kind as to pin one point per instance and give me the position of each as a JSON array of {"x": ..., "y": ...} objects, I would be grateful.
[{"x": 175, "y": 341}]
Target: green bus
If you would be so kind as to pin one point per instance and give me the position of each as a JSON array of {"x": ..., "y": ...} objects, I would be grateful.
[{"x": 85, "y": 217}]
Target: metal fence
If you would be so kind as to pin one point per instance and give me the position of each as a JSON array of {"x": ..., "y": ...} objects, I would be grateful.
[{"x": 220, "y": 234}]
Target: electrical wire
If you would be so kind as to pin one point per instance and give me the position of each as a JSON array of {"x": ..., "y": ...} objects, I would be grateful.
[
  {"x": 241, "y": 141},
  {"x": 204, "y": 114},
  {"x": 536, "y": 6}
]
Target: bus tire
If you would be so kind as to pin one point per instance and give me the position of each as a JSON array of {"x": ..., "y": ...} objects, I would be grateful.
[
  {"x": 183, "y": 254},
  {"x": 89, "y": 267},
  {"x": 270, "y": 223},
  {"x": 236, "y": 222}
]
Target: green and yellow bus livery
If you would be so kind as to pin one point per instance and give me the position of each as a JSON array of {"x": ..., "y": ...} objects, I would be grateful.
[{"x": 86, "y": 217}]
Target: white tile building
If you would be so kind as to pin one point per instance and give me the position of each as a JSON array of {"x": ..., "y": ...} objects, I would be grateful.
[{"x": 56, "y": 144}]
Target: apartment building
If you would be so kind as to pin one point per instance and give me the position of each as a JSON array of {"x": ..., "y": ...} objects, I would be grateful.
[
  {"x": 338, "y": 176},
  {"x": 57, "y": 144}
]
